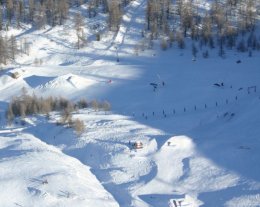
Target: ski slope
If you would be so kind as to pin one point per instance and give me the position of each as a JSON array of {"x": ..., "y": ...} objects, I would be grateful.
[
  {"x": 200, "y": 141},
  {"x": 36, "y": 174}
]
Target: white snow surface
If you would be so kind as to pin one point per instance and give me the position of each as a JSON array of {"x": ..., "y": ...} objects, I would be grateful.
[
  {"x": 200, "y": 141},
  {"x": 36, "y": 174}
]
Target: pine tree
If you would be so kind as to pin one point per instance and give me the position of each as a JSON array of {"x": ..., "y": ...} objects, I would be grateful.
[
  {"x": 10, "y": 115},
  {"x": 221, "y": 46},
  {"x": 19, "y": 13},
  {"x": 41, "y": 19},
  {"x": 206, "y": 29},
  {"x": 149, "y": 14},
  {"x": 114, "y": 15},
  {"x": 3, "y": 50},
  {"x": 25, "y": 46},
  {"x": 186, "y": 17},
  {"x": 92, "y": 8},
  {"x": 194, "y": 51},
  {"x": 10, "y": 7},
  {"x": 1, "y": 18},
  {"x": 63, "y": 8},
  {"x": 180, "y": 40},
  {"x": 31, "y": 10},
  {"x": 78, "y": 24},
  {"x": 13, "y": 47}
]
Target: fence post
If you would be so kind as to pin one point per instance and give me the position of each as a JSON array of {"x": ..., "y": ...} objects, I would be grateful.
[
  {"x": 195, "y": 107},
  {"x": 226, "y": 101},
  {"x": 216, "y": 103},
  {"x": 184, "y": 109},
  {"x": 205, "y": 106}
]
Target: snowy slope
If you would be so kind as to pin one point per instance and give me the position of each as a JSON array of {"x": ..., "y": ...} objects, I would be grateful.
[
  {"x": 36, "y": 174},
  {"x": 201, "y": 141}
]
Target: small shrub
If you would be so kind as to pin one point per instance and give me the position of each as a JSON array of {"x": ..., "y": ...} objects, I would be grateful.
[
  {"x": 180, "y": 40},
  {"x": 9, "y": 115},
  {"x": 78, "y": 126},
  {"x": 164, "y": 44},
  {"x": 66, "y": 116},
  {"x": 94, "y": 105},
  {"x": 106, "y": 106}
]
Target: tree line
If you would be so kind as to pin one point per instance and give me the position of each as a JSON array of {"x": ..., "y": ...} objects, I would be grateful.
[
  {"x": 40, "y": 13},
  {"x": 226, "y": 24},
  {"x": 37, "y": 12},
  {"x": 55, "y": 12},
  {"x": 28, "y": 105},
  {"x": 10, "y": 48},
  {"x": 220, "y": 25}
]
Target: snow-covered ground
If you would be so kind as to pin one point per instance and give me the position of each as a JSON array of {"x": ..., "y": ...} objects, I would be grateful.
[
  {"x": 201, "y": 141},
  {"x": 34, "y": 173}
]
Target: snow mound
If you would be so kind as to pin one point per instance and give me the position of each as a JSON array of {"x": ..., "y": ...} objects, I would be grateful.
[{"x": 68, "y": 81}]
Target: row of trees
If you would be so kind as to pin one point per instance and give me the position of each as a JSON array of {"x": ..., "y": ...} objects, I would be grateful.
[
  {"x": 220, "y": 25},
  {"x": 223, "y": 17},
  {"x": 38, "y": 12},
  {"x": 55, "y": 12},
  {"x": 26, "y": 105},
  {"x": 10, "y": 48}
]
